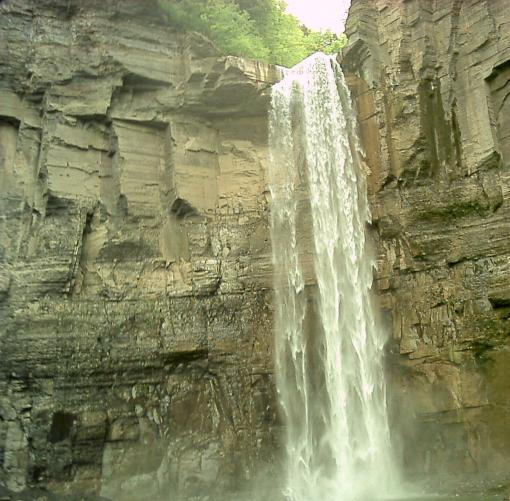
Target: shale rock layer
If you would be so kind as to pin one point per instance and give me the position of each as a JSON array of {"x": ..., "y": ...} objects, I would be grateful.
[
  {"x": 432, "y": 81},
  {"x": 135, "y": 262},
  {"x": 135, "y": 270}
]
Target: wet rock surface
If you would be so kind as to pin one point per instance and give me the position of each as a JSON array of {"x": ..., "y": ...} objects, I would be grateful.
[
  {"x": 135, "y": 269},
  {"x": 134, "y": 256},
  {"x": 431, "y": 81}
]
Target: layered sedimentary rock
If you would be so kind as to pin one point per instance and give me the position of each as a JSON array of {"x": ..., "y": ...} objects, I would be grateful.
[
  {"x": 134, "y": 255},
  {"x": 432, "y": 84},
  {"x": 135, "y": 270}
]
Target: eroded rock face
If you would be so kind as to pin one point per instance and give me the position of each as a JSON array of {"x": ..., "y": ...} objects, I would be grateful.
[
  {"x": 134, "y": 248},
  {"x": 134, "y": 255},
  {"x": 432, "y": 82}
]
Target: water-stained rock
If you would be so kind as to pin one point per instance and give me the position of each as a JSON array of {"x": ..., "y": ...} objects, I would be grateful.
[
  {"x": 136, "y": 327},
  {"x": 431, "y": 81}
]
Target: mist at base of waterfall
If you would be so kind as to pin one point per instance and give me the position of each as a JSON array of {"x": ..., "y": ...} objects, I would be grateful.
[{"x": 278, "y": 496}]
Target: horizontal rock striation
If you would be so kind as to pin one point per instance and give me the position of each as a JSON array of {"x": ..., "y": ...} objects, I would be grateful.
[
  {"x": 432, "y": 84},
  {"x": 135, "y": 270},
  {"x": 135, "y": 329}
]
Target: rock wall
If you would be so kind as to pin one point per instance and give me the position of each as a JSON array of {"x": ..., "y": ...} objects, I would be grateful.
[
  {"x": 135, "y": 271},
  {"x": 432, "y": 81},
  {"x": 135, "y": 330}
]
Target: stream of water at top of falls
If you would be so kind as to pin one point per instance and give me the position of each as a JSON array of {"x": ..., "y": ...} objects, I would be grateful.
[{"x": 329, "y": 350}]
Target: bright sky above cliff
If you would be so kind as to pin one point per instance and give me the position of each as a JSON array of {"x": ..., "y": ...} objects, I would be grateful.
[{"x": 320, "y": 14}]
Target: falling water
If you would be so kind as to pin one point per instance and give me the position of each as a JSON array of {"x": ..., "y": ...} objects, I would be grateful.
[{"x": 329, "y": 351}]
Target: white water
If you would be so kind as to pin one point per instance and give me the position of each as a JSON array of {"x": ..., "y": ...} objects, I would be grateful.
[{"x": 329, "y": 351}]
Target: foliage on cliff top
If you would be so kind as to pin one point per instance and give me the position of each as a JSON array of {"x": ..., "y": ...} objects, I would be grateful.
[{"x": 258, "y": 29}]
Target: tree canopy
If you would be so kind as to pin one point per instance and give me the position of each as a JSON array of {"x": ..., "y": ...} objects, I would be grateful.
[{"x": 258, "y": 29}]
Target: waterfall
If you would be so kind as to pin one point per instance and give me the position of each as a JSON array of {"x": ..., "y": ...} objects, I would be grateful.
[{"x": 329, "y": 350}]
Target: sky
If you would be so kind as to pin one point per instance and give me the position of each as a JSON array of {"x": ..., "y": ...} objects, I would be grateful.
[{"x": 320, "y": 14}]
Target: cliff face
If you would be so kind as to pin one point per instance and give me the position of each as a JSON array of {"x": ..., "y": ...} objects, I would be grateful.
[
  {"x": 135, "y": 271},
  {"x": 432, "y": 81},
  {"x": 134, "y": 251}
]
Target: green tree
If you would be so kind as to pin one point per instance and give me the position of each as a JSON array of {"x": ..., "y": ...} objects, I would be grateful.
[
  {"x": 259, "y": 29},
  {"x": 230, "y": 28},
  {"x": 325, "y": 41}
]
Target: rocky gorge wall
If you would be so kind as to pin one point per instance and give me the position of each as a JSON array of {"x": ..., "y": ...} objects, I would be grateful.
[
  {"x": 432, "y": 79},
  {"x": 135, "y": 262},
  {"x": 135, "y": 259}
]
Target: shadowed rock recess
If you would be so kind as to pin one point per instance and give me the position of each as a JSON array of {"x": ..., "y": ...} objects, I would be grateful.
[{"x": 135, "y": 262}]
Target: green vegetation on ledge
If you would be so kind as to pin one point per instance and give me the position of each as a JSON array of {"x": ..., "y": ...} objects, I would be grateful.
[{"x": 258, "y": 29}]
